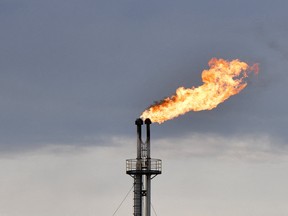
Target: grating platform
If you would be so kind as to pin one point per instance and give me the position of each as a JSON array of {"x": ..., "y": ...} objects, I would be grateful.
[{"x": 144, "y": 166}]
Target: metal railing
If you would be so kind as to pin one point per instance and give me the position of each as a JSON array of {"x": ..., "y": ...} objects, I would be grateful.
[{"x": 144, "y": 164}]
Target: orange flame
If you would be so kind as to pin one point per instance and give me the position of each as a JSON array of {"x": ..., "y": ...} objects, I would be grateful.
[{"x": 221, "y": 81}]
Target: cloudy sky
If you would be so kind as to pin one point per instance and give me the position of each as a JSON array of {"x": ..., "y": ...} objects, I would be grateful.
[{"x": 74, "y": 76}]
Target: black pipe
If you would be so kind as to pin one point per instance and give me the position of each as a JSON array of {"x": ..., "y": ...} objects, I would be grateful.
[{"x": 139, "y": 123}]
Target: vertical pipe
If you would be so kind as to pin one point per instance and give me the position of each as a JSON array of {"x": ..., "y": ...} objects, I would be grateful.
[
  {"x": 148, "y": 122},
  {"x": 138, "y": 176},
  {"x": 148, "y": 175},
  {"x": 139, "y": 123},
  {"x": 148, "y": 195}
]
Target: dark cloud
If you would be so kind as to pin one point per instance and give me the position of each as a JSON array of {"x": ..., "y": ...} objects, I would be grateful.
[{"x": 77, "y": 69}]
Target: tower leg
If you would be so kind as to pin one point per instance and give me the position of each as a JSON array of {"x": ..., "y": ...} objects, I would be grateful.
[
  {"x": 138, "y": 195},
  {"x": 148, "y": 195}
]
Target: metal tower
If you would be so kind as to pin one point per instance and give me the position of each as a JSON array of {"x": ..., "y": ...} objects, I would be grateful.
[{"x": 143, "y": 169}]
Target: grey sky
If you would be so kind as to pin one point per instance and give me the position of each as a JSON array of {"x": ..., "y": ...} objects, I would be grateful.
[
  {"x": 76, "y": 74},
  {"x": 74, "y": 69}
]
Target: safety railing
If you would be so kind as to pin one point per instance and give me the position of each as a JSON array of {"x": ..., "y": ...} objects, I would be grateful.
[{"x": 153, "y": 165}]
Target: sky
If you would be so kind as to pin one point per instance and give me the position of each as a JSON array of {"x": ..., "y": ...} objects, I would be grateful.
[{"x": 74, "y": 76}]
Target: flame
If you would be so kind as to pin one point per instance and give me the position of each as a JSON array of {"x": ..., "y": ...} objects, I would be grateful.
[{"x": 221, "y": 81}]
